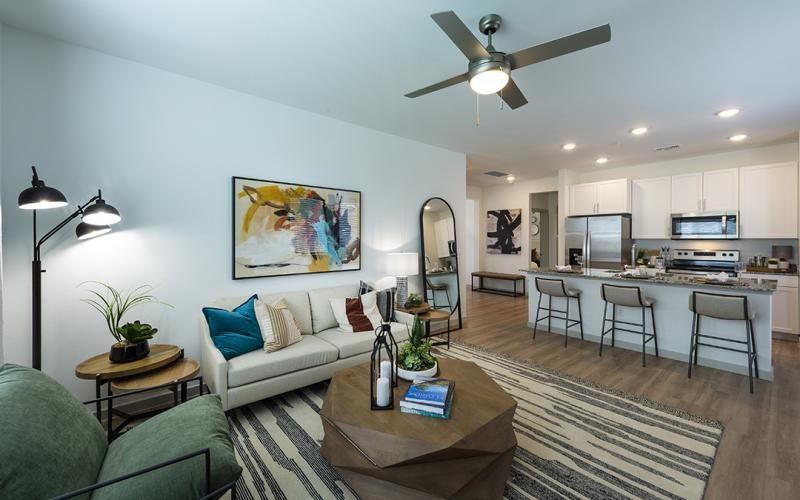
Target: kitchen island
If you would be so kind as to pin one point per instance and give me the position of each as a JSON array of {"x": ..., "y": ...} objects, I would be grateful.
[{"x": 672, "y": 315}]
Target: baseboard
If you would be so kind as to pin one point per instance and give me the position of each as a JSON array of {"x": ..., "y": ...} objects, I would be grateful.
[{"x": 764, "y": 373}]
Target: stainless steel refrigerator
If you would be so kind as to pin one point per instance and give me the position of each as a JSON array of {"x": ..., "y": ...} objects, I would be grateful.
[{"x": 598, "y": 241}]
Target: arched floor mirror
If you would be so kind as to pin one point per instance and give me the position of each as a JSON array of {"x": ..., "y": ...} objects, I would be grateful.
[{"x": 440, "y": 283}]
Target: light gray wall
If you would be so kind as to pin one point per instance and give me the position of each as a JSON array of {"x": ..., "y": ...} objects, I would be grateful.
[{"x": 164, "y": 147}]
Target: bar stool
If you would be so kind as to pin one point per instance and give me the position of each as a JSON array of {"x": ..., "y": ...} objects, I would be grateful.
[
  {"x": 627, "y": 296},
  {"x": 557, "y": 288},
  {"x": 729, "y": 308},
  {"x": 438, "y": 287}
]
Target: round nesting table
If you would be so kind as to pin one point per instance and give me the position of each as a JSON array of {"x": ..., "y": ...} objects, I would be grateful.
[
  {"x": 436, "y": 315},
  {"x": 178, "y": 371}
]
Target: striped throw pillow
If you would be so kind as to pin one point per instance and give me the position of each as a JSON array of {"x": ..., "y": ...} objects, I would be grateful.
[{"x": 278, "y": 328}]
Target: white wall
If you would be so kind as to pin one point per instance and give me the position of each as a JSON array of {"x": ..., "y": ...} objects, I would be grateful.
[
  {"x": 163, "y": 148},
  {"x": 515, "y": 195}
]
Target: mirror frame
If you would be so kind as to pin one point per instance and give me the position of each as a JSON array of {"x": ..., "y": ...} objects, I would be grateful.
[{"x": 422, "y": 258}]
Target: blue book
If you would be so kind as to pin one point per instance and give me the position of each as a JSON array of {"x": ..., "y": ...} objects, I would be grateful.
[
  {"x": 415, "y": 411},
  {"x": 432, "y": 392}
]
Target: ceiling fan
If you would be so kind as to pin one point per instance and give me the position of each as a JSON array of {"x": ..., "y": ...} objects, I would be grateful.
[{"x": 489, "y": 70}]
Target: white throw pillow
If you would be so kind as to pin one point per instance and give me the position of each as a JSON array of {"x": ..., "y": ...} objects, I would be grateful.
[
  {"x": 277, "y": 324},
  {"x": 357, "y": 314}
]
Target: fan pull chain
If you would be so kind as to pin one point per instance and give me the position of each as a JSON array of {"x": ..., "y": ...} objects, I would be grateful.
[{"x": 477, "y": 110}]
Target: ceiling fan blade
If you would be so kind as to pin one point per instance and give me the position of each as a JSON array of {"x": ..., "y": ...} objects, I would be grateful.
[
  {"x": 512, "y": 95},
  {"x": 460, "y": 35},
  {"x": 561, "y": 46},
  {"x": 438, "y": 86}
]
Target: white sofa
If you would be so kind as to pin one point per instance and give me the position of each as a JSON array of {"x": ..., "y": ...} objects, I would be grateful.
[{"x": 323, "y": 351}]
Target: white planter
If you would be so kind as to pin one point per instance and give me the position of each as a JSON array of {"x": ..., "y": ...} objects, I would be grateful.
[{"x": 412, "y": 375}]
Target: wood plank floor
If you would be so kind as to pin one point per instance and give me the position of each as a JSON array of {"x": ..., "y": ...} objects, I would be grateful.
[{"x": 759, "y": 456}]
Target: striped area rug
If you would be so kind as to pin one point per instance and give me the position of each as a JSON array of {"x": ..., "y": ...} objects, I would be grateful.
[{"x": 576, "y": 440}]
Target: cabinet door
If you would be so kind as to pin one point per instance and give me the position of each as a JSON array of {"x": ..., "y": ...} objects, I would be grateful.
[
  {"x": 442, "y": 249},
  {"x": 614, "y": 197},
  {"x": 784, "y": 310},
  {"x": 687, "y": 190},
  {"x": 768, "y": 201},
  {"x": 651, "y": 208},
  {"x": 582, "y": 199},
  {"x": 721, "y": 190}
]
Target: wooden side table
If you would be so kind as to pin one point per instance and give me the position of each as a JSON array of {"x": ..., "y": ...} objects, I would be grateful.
[
  {"x": 436, "y": 315},
  {"x": 100, "y": 369}
]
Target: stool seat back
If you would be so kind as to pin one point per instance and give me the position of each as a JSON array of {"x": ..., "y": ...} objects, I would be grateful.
[
  {"x": 714, "y": 305},
  {"x": 553, "y": 287},
  {"x": 628, "y": 296}
]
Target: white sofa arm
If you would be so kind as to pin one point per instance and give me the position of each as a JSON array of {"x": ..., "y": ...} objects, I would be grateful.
[
  {"x": 404, "y": 318},
  {"x": 214, "y": 366}
]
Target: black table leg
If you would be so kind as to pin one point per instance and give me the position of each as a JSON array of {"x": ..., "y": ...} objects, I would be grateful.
[
  {"x": 110, "y": 414},
  {"x": 98, "y": 408}
]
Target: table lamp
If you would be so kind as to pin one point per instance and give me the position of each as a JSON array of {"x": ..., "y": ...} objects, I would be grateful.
[{"x": 402, "y": 265}]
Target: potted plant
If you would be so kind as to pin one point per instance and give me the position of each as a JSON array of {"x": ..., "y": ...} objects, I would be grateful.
[
  {"x": 415, "y": 359},
  {"x": 131, "y": 338}
]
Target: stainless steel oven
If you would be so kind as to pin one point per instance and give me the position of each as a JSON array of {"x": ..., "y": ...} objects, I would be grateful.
[{"x": 705, "y": 226}]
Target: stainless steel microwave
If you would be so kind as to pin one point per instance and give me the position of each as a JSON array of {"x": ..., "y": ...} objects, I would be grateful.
[{"x": 705, "y": 226}]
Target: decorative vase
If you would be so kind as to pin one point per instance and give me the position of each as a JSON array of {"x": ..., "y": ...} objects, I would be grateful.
[
  {"x": 124, "y": 353},
  {"x": 412, "y": 375}
]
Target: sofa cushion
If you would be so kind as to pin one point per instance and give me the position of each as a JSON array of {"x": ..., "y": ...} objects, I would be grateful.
[
  {"x": 234, "y": 332},
  {"x": 259, "y": 365},
  {"x": 352, "y": 344},
  {"x": 321, "y": 312},
  {"x": 297, "y": 302},
  {"x": 49, "y": 443},
  {"x": 278, "y": 328},
  {"x": 191, "y": 426}
]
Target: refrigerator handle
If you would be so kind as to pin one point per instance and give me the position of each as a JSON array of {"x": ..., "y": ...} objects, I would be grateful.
[{"x": 587, "y": 250}]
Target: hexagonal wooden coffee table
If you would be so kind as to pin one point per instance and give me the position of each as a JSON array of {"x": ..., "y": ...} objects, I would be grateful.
[{"x": 388, "y": 454}]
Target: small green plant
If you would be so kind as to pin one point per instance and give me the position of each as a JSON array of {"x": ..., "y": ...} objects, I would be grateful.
[
  {"x": 415, "y": 355},
  {"x": 112, "y": 304},
  {"x": 413, "y": 300}
]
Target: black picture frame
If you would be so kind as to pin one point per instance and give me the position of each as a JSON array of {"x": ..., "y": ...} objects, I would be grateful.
[{"x": 234, "y": 266}]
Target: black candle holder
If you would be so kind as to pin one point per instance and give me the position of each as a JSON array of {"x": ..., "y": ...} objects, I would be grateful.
[{"x": 384, "y": 348}]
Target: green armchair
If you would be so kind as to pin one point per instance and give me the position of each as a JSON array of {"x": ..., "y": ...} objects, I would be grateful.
[{"x": 51, "y": 446}]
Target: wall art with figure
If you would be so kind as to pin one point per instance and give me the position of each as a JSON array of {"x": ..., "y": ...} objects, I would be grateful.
[
  {"x": 504, "y": 231},
  {"x": 281, "y": 229}
]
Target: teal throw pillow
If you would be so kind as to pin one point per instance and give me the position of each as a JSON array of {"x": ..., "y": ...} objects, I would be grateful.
[{"x": 235, "y": 332}]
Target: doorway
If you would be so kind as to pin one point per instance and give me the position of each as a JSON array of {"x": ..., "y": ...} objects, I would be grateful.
[{"x": 543, "y": 230}]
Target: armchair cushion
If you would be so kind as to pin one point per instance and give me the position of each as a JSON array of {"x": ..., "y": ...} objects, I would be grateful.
[
  {"x": 191, "y": 426},
  {"x": 49, "y": 443}
]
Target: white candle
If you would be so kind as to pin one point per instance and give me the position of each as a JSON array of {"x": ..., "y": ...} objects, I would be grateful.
[
  {"x": 384, "y": 392},
  {"x": 386, "y": 369}
]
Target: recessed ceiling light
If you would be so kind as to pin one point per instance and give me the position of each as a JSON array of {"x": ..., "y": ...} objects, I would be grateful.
[
  {"x": 510, "y": 178},
  {"x": 738, "y": 137},
  {"x": 639, "y": 130},
  {"x": 727, "y": 113},
  {"x": 602, "y": 160},
  {"x": 568, "y": 146}
]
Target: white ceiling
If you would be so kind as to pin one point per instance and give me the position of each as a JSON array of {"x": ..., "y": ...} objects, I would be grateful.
[{"x": 670, "y": 66}]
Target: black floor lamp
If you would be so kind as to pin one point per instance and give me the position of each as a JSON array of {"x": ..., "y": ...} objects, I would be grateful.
[{"x": 96, "y": 220}]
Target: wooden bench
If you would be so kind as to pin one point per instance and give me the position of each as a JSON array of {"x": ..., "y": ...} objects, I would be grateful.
[{"x": 497, "y": 276}]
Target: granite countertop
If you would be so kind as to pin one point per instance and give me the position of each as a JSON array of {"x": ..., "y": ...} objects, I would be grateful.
[{"x": 686, "y": 281}]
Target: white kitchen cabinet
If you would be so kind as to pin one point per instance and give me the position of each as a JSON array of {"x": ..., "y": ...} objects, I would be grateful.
[
  {"x": 768, "y": 201},
  {"x": 596, "y": 198},
  {"x": 720, "y": 190},
  {"x": 444, "y": 234},
  {"x": 687, "y": 193},
  {"x": 785, "y": 302},
  {"x": 651, "y": 200},
  {"x": 582, "y": 199}
]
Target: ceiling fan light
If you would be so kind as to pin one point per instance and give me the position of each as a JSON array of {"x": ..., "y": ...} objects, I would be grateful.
[{"x": 489, "y": 82}]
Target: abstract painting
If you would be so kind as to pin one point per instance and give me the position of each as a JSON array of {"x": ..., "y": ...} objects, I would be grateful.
[
  {"x": 281, "y": 229},
  {"x": 503, "y": 231}
]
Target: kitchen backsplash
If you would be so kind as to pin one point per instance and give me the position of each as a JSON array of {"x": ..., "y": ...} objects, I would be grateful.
[{"x": 748, "y": 248}]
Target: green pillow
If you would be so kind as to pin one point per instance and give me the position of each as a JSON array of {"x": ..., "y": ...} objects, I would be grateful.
[
  {"x": 194, "y": 425},
  {"x": 49, "y": 442},
  {"x": 235, "y": 332}
]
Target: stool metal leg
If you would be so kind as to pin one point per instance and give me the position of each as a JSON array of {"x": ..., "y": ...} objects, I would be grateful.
[
  {"x": 697, "y": 339},
  {"x": 653, "y": 320},
  {"x": 613, "y": 323},
  {"x": 755, "y": 353},
  {"x": 447, "y": 295},
  {"x": 549, "y": 311},
  {"x": 603, "y": 327},
  {"x": 580, "y": 315},
  {"x": 644, "y": 336},
  {"x": 566, "y": 324},
  {"x": 538, "y": 310},
  {"x": 749, "y": 356}
]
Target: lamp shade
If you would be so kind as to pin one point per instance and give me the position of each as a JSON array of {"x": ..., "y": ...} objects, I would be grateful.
[
  {"x": 402, "y": 264},
  {"x": 86, "y": 231},
  {"x": 41, "y": 197},
  {"x": 101, "y": 214}
]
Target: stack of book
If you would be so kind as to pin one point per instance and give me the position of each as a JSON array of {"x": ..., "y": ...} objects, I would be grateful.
[{"x": 431, "y": 398}]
